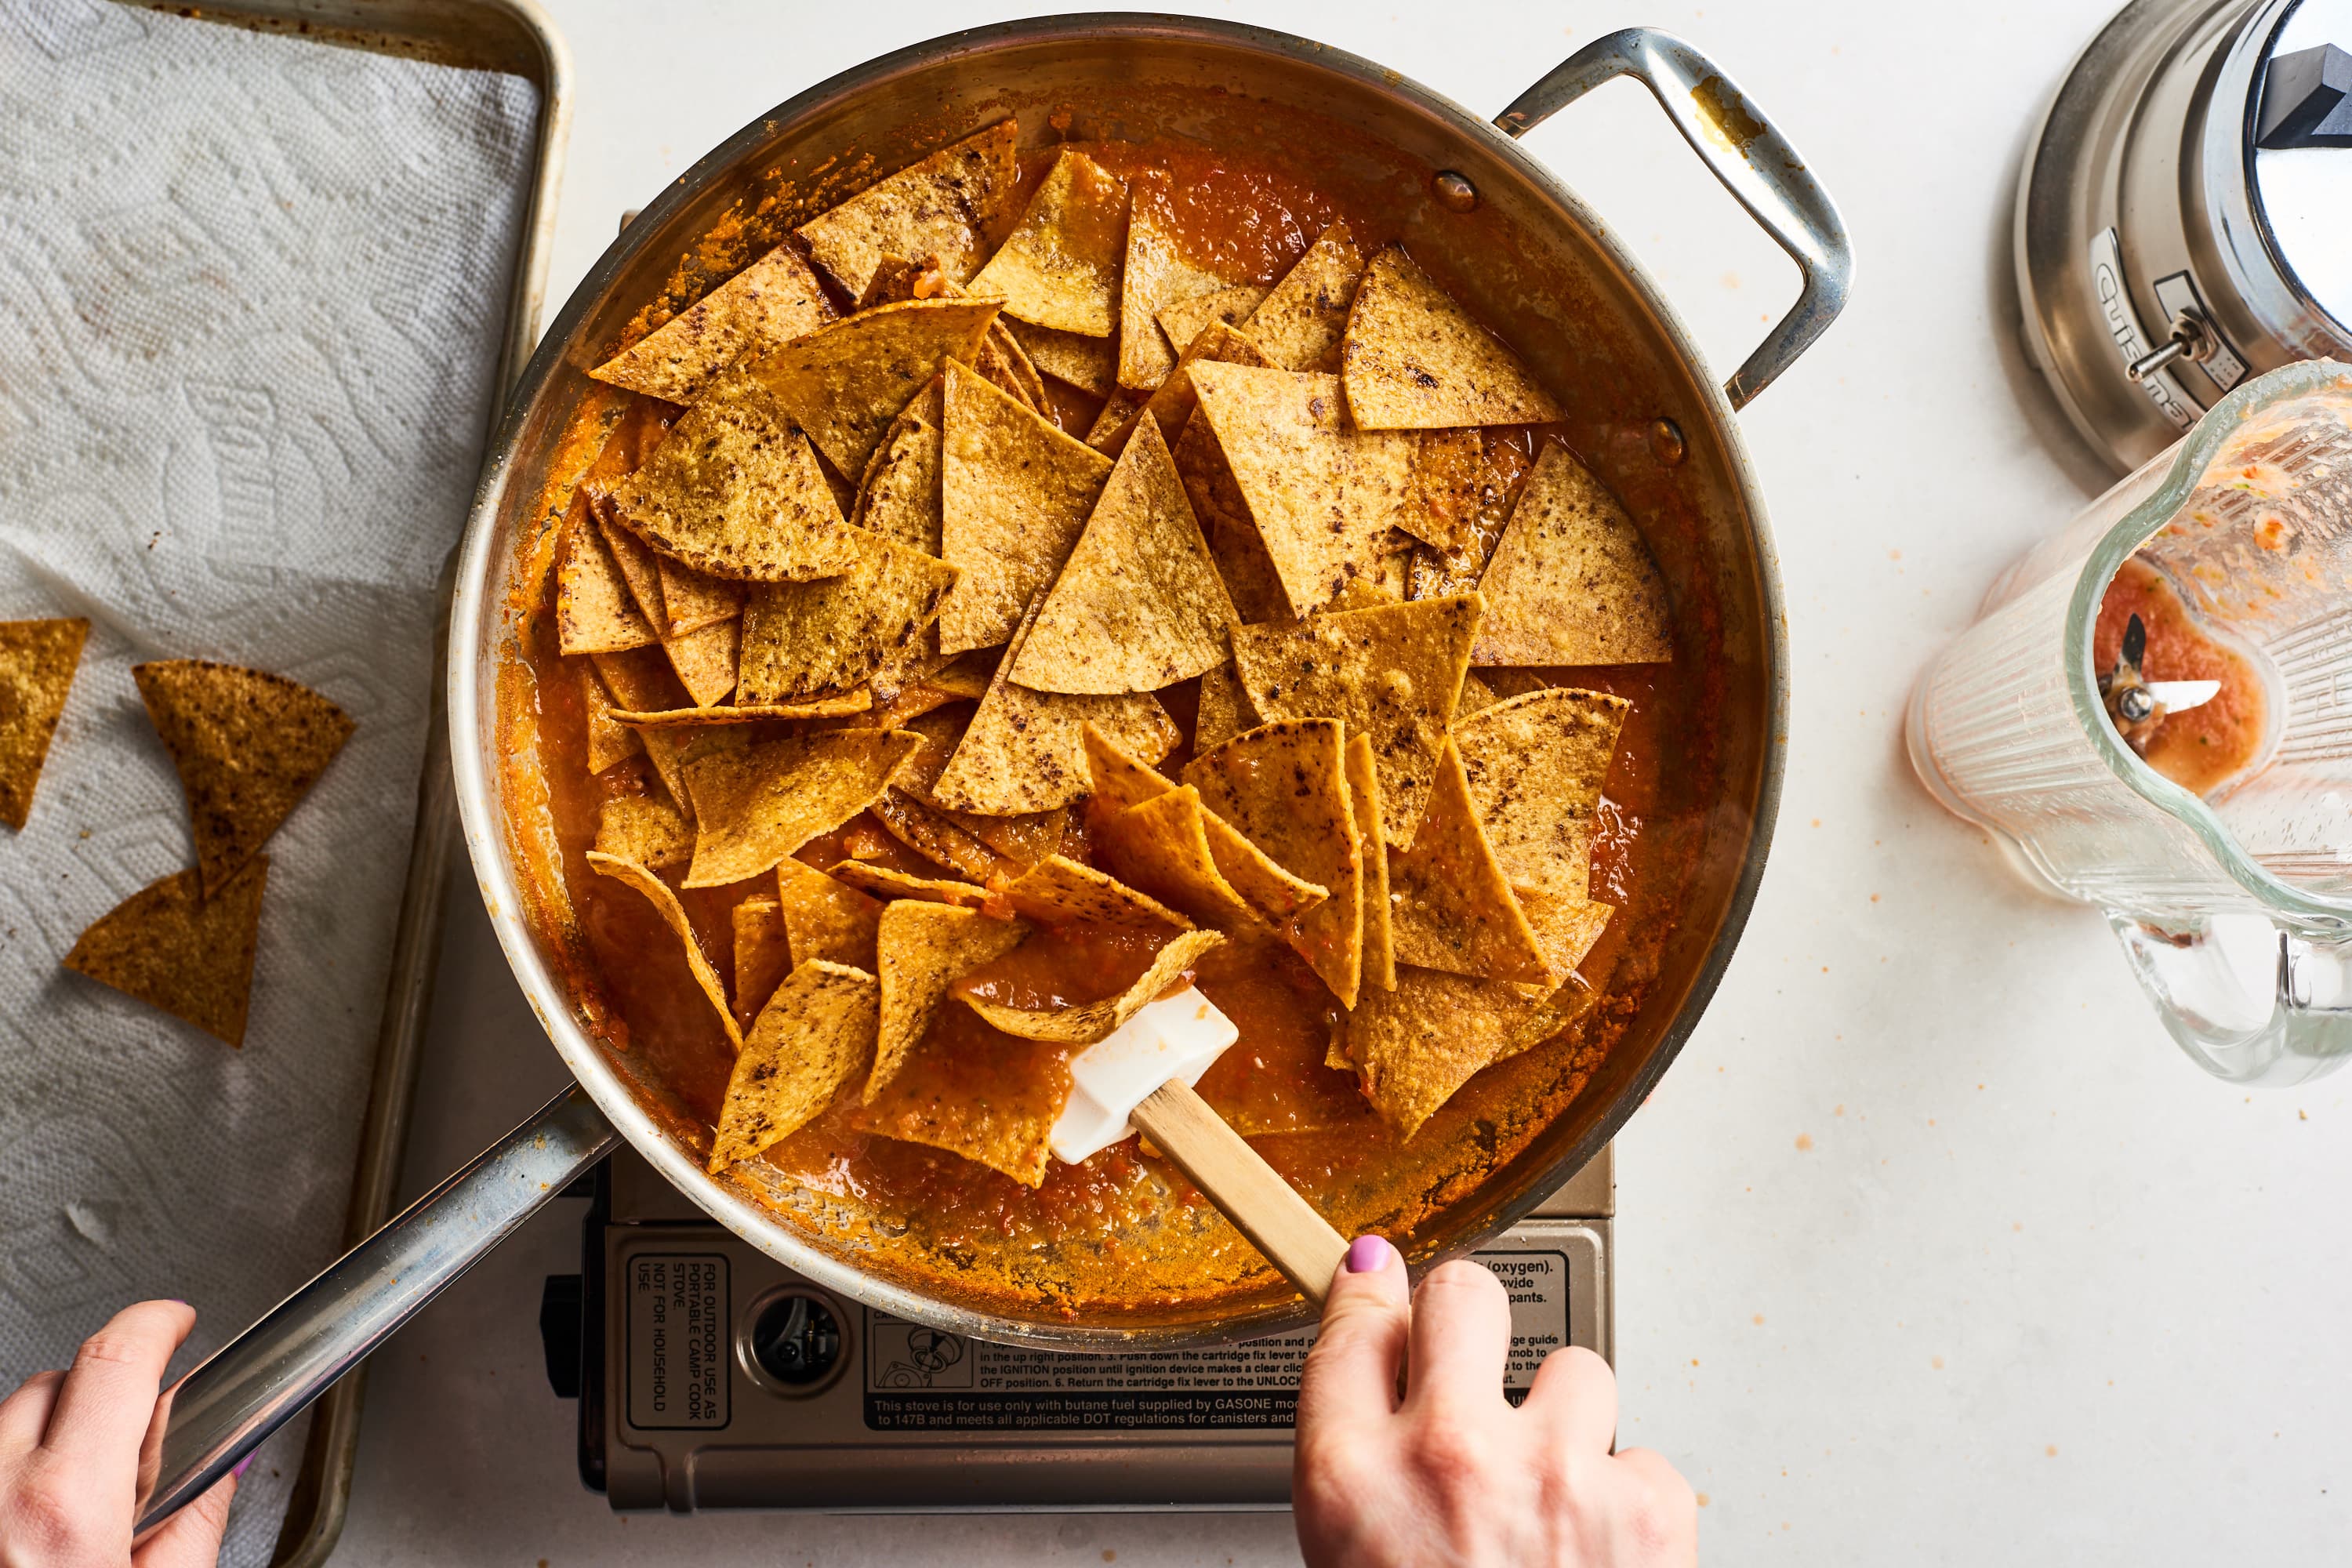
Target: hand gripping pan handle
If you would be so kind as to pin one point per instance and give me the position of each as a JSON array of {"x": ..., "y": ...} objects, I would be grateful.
[
  {"x": 268, "y": 1374},
  {"x": 1754, "y": 161}
]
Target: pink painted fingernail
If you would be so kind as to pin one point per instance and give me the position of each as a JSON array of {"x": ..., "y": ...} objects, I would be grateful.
[
  {"x": 243, "y": 1464},
  {"x": 1368, "y": 1254}
]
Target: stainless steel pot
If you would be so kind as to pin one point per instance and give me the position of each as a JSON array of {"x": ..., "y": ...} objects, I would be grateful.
[{"x": 1527, "y": 252}]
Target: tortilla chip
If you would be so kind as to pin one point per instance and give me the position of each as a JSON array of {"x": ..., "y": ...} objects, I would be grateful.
[
  {"x": 1161, "y": 848},
  {"x": 1115, "y": 779},
  {"x": 1090, "y": 365},
  {"x": 641, "y": 681},
  {"x": 1448, "y": 469},
  {"x": 1025, "y": 839},
  {"x": 1571, "y": 581},
  {"x": 636, "y": 875},
  {"x": 1058, "y": 890},
  {"x": 756, "y": 806},
  {"x": 1154, "y": 275},
  {"x": 931, "y": 834},
  {"x": 945, "y": 205},
  {"x": 1536, "y": 765},
  {"x": 1112, "y": 421},
  {"x": 1364, "y": 800},
  {"x": 804, "y": 638},
  {"x": 911, "y": 701},
  {"x": 1475, "y": 697},
  {"x": 1092, "y": 1021},
  {"x": 37, "y": 661},
  {"x": 1565, "y": 928},
  {"x": 762, "y": 955},
  {"x": 1323, "y": 495},
  {"x": 824, "y": 917},
  {"x": 1183, "y": 320},
  {"x": 1014, "y": 494},
  {"x": 1416, "y": 1045},
  {"x": 1121, "y": 781},
  {"x": 610, "y": 741},
  {"x": 1393, "y": 673},
  {"x": 1451, "y": 906},
  {"x": 841, "y": 707},
  {"x": 847, "y": 384},
  {"x": 1173, "y": 403},
  {"x": 1284, "y": 787},
  {"x": 921, "y": 950},
  {"x": 1025, "y": 751},
  {"x": 815, "y": 1035},
  {"x": 247, "y": 745},
  {"x": 644, "y": 829},
  {"x": 1060, "y": 266},
  {"x": 1225, "y": 516},
  {"x": 1003, "y": 363},
  {"x": 638, "y": 563},
  {"x": 771, "y": 302},
  {"x": 886, "y": 884},
  {"x": 180, "y": 951},
  {"x": 594, "y": 610},
  {"x": 1138, "y": 605},
  {"x": 967, "y": 675},
  {"x": 975, "y": 1091},
  {"x": 1301, "y": 323},
  {"x": 692, "y": 600},
  {"x": 1562, "y": 1008},
  {"x": 706, "y": 662},
  {"x": 1414, "y": 359},
  {"x": 735, "y": 491},
  {"x": 900, "y": 496},
  {"x": 1224, "y": 711}
]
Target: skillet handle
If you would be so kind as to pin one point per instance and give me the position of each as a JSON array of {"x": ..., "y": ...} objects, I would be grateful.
[
  {"x": 263, "y": 1378},
  {"x": 1754, "y": 161}
]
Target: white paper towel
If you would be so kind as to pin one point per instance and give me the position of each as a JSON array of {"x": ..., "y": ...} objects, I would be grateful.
[{"x": 252, "y": 293}]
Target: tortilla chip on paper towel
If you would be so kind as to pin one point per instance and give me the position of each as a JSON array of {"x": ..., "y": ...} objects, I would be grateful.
[
  {"x": 37, "y": 661},
  {"x": 180, "y": 950}
]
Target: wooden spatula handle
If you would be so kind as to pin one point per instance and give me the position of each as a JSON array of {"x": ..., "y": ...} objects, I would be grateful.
[{"x": 1250, "y": 1193}]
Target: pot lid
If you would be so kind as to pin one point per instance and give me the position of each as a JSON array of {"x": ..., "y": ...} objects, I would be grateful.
[{"x": 2303, "y": 151}]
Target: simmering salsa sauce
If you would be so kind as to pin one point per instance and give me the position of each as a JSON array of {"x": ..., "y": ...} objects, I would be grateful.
[{"x": 1124, "y": 1229}]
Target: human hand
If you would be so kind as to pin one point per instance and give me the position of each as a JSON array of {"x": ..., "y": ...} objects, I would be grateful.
[
  {"x": 1451, "y": 1473},
  {"x": 79, "y": 1450}
]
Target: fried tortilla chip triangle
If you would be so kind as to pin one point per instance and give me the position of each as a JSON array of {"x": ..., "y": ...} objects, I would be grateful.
[
  {"x": 944, "y": 205},
  {"x": 1183, "y": 321},
  {"x": 771, "y": 302},
  {"x": 1091, "y": 364},
  {"x": 1392, "y": 672},
  {"x": 847, "y": 384},
  {"x": 1161, "y": 848},
  {"x": 804, "y": 638},
  {"x": 1416, "y": 1045},
  {"x": 706, "y": 661},
  {"x": 610, "y": 741},
  {"x": 174, "y": 949},
  {"x": 1223, "y": 711},
  {"x": 1451, "y": 907},
  {"x": 645, "y": 829},
  {"x": 638, "y": 563},
  {"x": 1025, "y": 751},
  {"x": 692, "y": 600},
  {"x": 1171, "y": 405},
  {"x": 1565, "y": 928},
  {"x": 979, "y": 1092},
  {"x": 1570, "y": 581},
  {"x": 1155, "y": 276},
  {"x": 1014, "y": 495},
  {"x": 37, "y": 661},
  {"x": 754, "y": 806},
  {"x": 1322, "y": 493},
  {"x": 248, "y": 746},
  {"x": 594, "y": 610},
  {"x": 1138, "y": 605},
  {"x": 922, "y": 949},
  {"x": 1057, "y": 890},
  {"x": 735, "y": 491},
  {"x": 658, "y": 893},
  {"x": 815, "y": 1037},
  {"x": 824, "y": 918},
  {"x": 1117, "y": 780},
  {"x": 762, "y": 955},
  {"x": 886, "y": 883},
  {"x": 1364, "y": 799},
  {"x": 1301, "y": 323},
  {"x": 1284, "y": 787},
  {"x": 1121, "y": 781},
  {"x": 1414, "y": 360},
  {"x": 900, "y": 496},
  {"x": 1091, "y": 1021},
  {"x": 1060, "y": 266},
  {"x": 1536, "y": 765},
  {"x": 641, "y": 681}
]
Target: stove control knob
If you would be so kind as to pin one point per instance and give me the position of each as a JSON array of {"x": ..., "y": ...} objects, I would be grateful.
[
  {"x": 796, "y": 1340},
  {"x": 2307, "y": 100}
]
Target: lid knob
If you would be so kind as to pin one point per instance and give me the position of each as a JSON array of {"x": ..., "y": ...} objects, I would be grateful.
[{"x": 2307, "y": 100}]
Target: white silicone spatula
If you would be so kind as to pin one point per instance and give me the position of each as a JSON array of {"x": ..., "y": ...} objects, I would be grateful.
[{"x": 1140, "y": 1077}]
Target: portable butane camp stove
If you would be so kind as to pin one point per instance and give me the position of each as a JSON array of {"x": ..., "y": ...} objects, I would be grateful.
[{"x": 710, "y": 1376}]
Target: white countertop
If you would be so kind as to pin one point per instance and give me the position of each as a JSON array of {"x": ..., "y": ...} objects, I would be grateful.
[{"x": 1931, "y": 1247}]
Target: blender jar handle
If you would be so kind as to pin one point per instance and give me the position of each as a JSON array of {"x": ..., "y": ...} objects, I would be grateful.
[{"x": 1753, "y": 160}]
